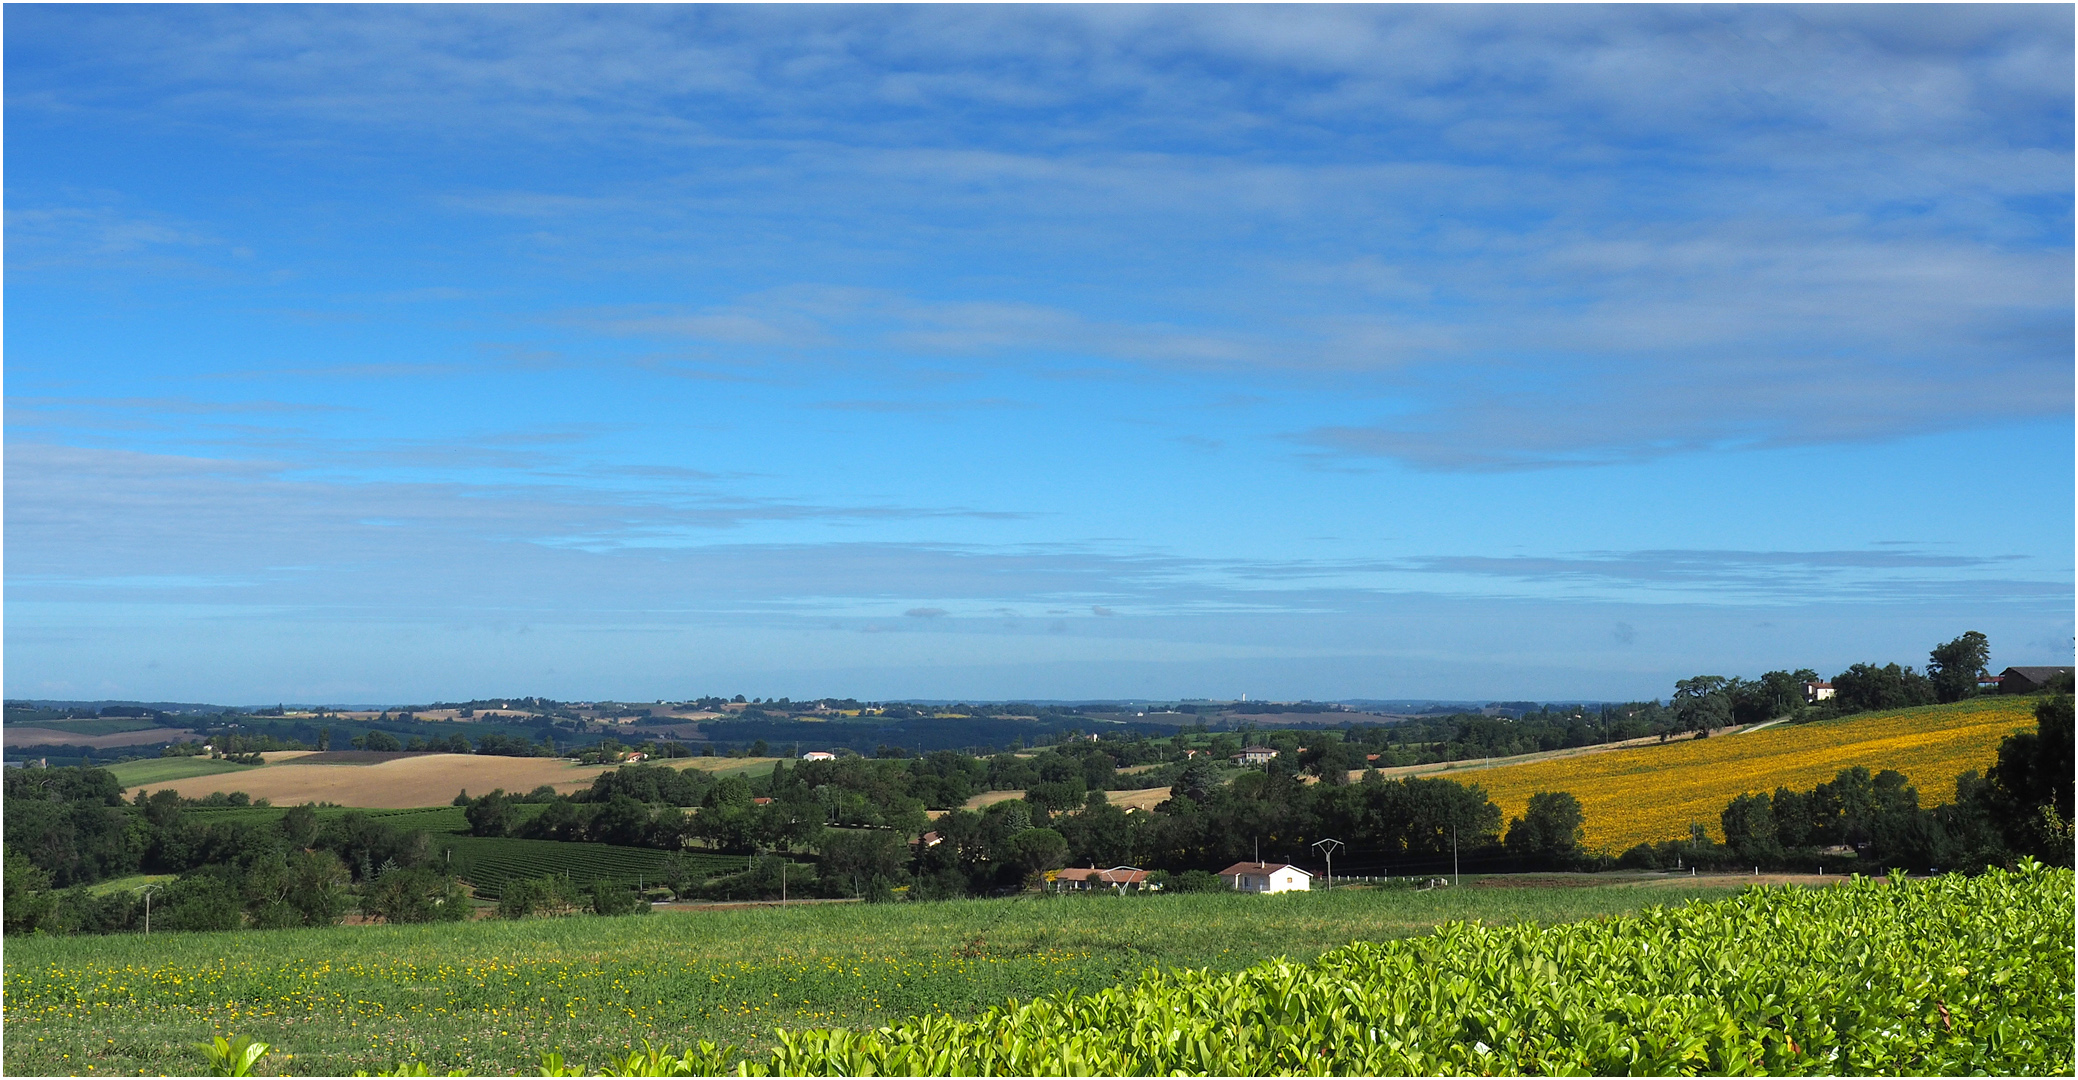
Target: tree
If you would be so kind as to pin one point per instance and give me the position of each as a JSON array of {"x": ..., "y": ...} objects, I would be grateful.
[
  {"x": 2031, "y": 785},
  {"x": 492, "y": 815},
  {"x": 1704, "y": 702},
  {"x": 1039, "y": 849},
  {"x": 30, "y": 903},
  {"x": 1865, "y": 687},
  {"x": 303, "y": 888},
  {"x": 1774, "y": 694},
  {"x": 1750, "y": 830},
  {"x": 199, "y": 901},
  {"x": 1549, "y": 831},
  {"x": 621, "y": 821},
  {"x": 414, "y": 896},
  {"x": 1955, "y": 667},
  {"x": 299, "y": 826},
  {"x": 855, "y": 858},
  {"x": 609, "y": 898}
]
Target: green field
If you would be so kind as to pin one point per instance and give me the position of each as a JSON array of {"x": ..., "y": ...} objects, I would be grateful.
[
  {"x": 113, "y": 725},
  {"x": 160, "y": 770},
  {"x": 134, "y": 881},
  {"x": 487, "y": 863},
  {"x": 490, "y": 997}
]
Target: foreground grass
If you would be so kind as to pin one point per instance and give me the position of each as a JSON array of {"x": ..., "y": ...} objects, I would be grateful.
[{"x": 491, "y": 997}]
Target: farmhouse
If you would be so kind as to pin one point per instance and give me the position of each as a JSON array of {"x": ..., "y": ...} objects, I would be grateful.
[
  {"x": 1815, "y": 692},
  {"x": 2029, "y": 680},
  {"x": 818, "y": 755},
  {"x": 1266, "y": 877},
  {"x": 1120, "y": 878},
  {"x": 1255, "y": 755}
]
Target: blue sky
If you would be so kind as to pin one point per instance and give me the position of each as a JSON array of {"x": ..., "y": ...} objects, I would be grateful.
[{"x": 385, "y": 354}]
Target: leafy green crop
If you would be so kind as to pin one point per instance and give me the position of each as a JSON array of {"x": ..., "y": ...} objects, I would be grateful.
[{"x": 1951, "y": 975}]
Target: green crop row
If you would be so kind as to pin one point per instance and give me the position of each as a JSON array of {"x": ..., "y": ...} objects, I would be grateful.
[{"x": 1948, "y": 976}]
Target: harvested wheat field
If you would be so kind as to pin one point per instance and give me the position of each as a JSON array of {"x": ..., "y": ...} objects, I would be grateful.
[
  {"x": 400, "y": 783},
  {"x": 1653, "y": 793},
  {"x": 1139, "y": 798},
  {"x": 990, "y": 798}
]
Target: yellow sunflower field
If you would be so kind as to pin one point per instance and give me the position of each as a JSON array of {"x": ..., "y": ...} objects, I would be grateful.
[{"x": 1653, "y": 793}]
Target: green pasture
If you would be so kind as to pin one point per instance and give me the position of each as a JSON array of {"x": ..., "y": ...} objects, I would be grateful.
[
  {"x": 112, "y": 725},
  {"x": 134, "y": 881},
  {"x": 490, "y": 997},
  {"x": 487, "y": 863},
  {"x": 163, "y": 770}
]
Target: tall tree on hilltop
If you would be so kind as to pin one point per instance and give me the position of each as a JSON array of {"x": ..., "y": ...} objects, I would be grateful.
[{"x": 1955, "y": 667}]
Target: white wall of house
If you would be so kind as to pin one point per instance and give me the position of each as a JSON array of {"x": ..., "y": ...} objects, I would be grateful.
[{"x": 1282, "y": 879}]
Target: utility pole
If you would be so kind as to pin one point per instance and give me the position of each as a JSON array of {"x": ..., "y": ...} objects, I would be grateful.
[
  {"x": 1328, "y": 848},
  {"x": 148, "y": 890},
  {"x": 1454, "y": 876}
]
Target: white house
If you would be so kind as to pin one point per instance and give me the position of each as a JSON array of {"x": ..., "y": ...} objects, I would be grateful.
[
  {"x": 1815, "y": 692},
  {"x": 818, "y": 755},
  {"x": 1255, "y": 755},
  {"x": 1266, "y": 877}
]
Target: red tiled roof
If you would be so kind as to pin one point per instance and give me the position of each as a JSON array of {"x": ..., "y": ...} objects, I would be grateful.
[{"x": 1117, "y": 875}]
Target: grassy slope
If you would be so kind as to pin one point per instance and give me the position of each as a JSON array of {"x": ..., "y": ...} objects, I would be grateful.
[
  {"x": 1652, "y": 793},
  {"x": 113, "y": 725},
  {"x": 161, "y": 770},
  {"x": 490, "y": 997},
  {"x": 134, "y": 881},
  {"x": 488, "y": 862}
]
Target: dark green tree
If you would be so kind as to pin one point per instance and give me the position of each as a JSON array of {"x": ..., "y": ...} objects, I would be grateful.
[
  {"x": 418, "y": 895},
  {"x": 2030, "y": 794},
  {"x": 1751, "y": 831},
  {"x": 1954, "y": 668},
  {"x": 853, "y": 859},
  {"x": 1039, "y": 849},
  {"x": 30, "y": 904},
  {"x": 1865, "y": 687},
  {"x": 1549, "y": 831},
  {"x": 492, "y": 814},
  {"x": 1704, "y": 703}
]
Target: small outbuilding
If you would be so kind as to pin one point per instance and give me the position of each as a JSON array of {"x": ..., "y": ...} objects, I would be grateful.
[{"x": 1266, "y": 877}]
